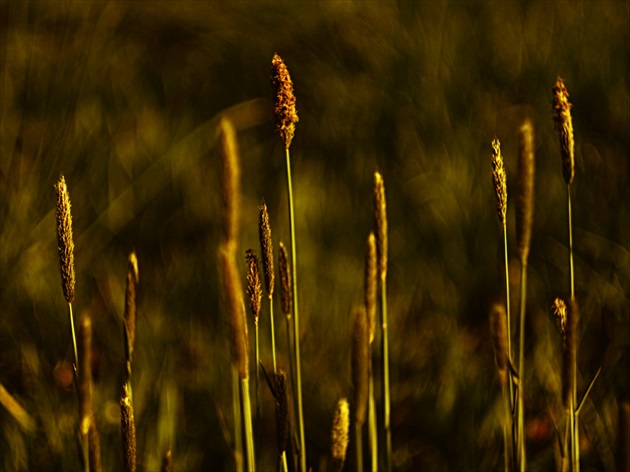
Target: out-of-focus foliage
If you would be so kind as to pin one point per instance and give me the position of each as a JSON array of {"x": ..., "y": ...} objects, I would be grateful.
[{"x": 123, "y": 99}]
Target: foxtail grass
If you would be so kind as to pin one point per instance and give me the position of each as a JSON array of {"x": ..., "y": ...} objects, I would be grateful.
[
  {"x": 254, "y": 292},
  {"x": 380, "y": 232},
  {"x": 285, "y": 115},
  {"x": 339, "y": 436},
  {"x": 524, "y": 221},
  {"x": 360, "y": 375},
  {"x": 370, "y": 296},
  {"x": 130, "y": 315},
  {"x": 266, "y": 247}
]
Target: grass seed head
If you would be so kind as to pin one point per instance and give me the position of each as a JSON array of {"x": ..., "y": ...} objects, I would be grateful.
[
  {"x": 285, "y": 114},
  {"x": 230, "y": 182},
  {"x": 500, "y": 181},
  {"x": 286, "y": 293},
  {"x": 525, "y": 207},
  {"x": 266, "y": 246},
  {"x": 371, "y": 284},
  {"x": 360, "y": 360},
  {"x": 564, "y": 127},
  {"x": 282, "y": 411},
  {"x": 131, "y": 303},
  {"x": 498, "y": 321},
  {"x": 380, "y": 224},
  {"x": 65, "y": 243},
  {"x": 339, "y": 434},
  {"x": 254, "y": 288}
]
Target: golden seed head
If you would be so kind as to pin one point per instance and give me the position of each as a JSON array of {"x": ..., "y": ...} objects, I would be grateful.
[
  {"x": 85, "y": 373},
  {"x": 282, "y": 411},
  {"x": 234, "y": 309},
  {"x": 131, "y": 303},
  {"x": 360, "y": 362},
  {"x": 525, "y": 207},
  {"x": 254, "y": 289},
  {"x": 498, "y": 330},
  {"x": 339, "y": 434},
  {"x": 500, "y": 181},
  {"x": 564, "y": 127},
  {"x": 65, "y": 243},
  {"x": 559, "y": 309},
  {"x": 285, "y": 281},
  {"x": 285, "y": 114},
  {"x": 128, "y": 431},
  {"x": 264, "y": 230},
  {"x": 371, "y": 284},
  {"x": 569, "y": 351},
  {"x": 380, "y": 224},
  {"x": 231, "y": 178}
]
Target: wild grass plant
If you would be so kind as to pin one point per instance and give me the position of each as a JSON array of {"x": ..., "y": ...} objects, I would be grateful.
[{"x": 140, "y": 106}]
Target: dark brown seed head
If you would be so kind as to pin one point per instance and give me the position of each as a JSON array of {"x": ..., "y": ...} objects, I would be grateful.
[
  {"x": 282, "y": 411},
  {"x": 339, "y": 434},
  {"x": 499, "y": 180},
  {"x": 285, "y": 281},
  {"x": 266, "y": 247},
  {"x": 284, "y": 111},
  {"x": 128, "y": 431},
  {"x": 65, "y": 243},
  {"x": 230, "y": 181},
  {"x": 85, "y": 373},
  {"x": 254, "y": 289},
  {"x": 360, "y": 361},
  {"x": 371, "y": 284},
  {"x": 569, "y": 350},
  {"x": 564, "y": 127},
  {"x": 380, "y": 224},
  {"x": 498, "y": 321},
  {"x": 525, "y": 207},
  {"x": 130, "y": 302},
  {"x": 234, "y": 309}
]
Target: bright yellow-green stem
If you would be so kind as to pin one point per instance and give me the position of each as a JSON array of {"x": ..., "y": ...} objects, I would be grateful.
[
  {"x": 249, "y": 431},
  {"x": 386, "y": 400},
  {"x": 273, "y": 336},
  {"x": 521, "y": 372}
]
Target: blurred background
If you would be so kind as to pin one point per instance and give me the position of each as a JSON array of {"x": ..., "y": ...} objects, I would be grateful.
[{"x": 123, "y": 99}]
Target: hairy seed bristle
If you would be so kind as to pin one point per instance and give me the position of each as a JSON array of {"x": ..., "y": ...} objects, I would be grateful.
[
  {"x": 285, "y": 280},
  {"x": 228, "y": 150},
  {"x": 128, "y": 431},
  {"x": 564, "y": 127},
  {"x": 559, "y": 309},
  {"x": 234, "y": 308},
  {"x": 130, "y": 302},
  {"x": 167, "y": 462},
  {"x": 360, "y": 357},
  {"x": 85, "y": 374},
  {"x": 285, "y": 114},
  {"x": 380, "y": 224},
  {"x": 254, "y": 289},
  {"x": 500, "y": 181},
  {"x": 282, "y": 411},
  {"x": 94, "y": 447},
  {"x": 65, "y": 243},
  {"x": 371, "y": 284},
  {"x": 525, "y": 207},
  {"x": 266, "y": 246},
  {"x": 339, "y": 434},
  {"x": 498, "y": 318},
  {"x": 569, "y": 350}
]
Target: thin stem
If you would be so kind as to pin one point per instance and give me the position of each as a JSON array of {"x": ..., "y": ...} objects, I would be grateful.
[
  {"x": 571, "y": 244},
  {"x": 521, "y": 371},
  {"x": 575, "y": 431},
  {"x": 507, "y": 306},
  {"x": 386, "y": 400},
  {"x": 372, "y": 422},
  {"x": 257, "y": 383},
  {"x": 247, "y": 417},
  {"x": 359, "y": 446},
  {"x": 83, "y": 437},
  {"x": 296, "y": 324},
  {"x": 283, "y": 462},
  {"x": 238, "y": 424},
  {"x": 273, "y": 336},
  {"x": 74, "y": 342}
]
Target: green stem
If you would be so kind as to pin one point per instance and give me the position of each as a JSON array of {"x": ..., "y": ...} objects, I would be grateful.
[
  {"x": 273, "y": 336},
  {"x": 386, "y": 399},
  {"x": 571, "y": 244},
  {"x": 507, "y": 306},
  {"x": 257, "y": 383},
  {"x": 247, "y": 417},
  {"x": 575, "y": 422},
  {"x": 296, "y": 323},
  {"x": 238, "y": 425},
  {"x": 521, "y": 371},
  {"x": 372, "y": 422}
]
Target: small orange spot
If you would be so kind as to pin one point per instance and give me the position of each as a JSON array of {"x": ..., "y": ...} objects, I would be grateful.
[{"x": 63, "y": 375}]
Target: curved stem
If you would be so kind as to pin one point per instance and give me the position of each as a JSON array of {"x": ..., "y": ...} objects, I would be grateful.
[
  {"x": 521, "y": 369},
  {"x": 273, "y": 336},
  {"x": 507, "y": 306}
]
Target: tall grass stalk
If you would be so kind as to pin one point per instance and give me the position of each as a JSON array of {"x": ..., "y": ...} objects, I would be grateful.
[
  {"x": 254, "y": 292},
  {"x": 266, "y": 247},
  {"x": 524, "y": 222},
  {"x": 380, "y": 231},
  {"x": 371, "y": 289},
  {"x": 360, "y": 374},
  {"x": 285, "y": 118}
]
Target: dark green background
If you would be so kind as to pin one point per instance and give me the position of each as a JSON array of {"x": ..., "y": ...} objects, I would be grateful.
[{"x": 123, "y": 99}]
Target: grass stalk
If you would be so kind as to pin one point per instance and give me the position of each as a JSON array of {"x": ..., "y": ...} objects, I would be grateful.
[
  {"x": 238, "y": 423},
  {"x": 521, "y": 370},
  {"x": 358, "y": 446},
  {"x": 386, "y": 396},
  {"x": 247, "y": 419}
]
